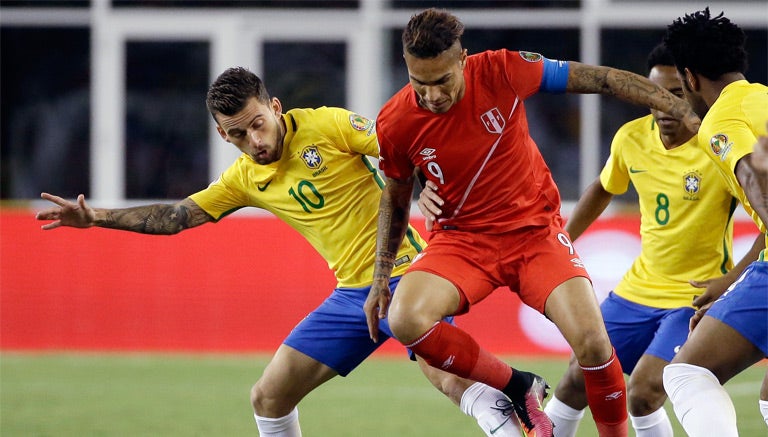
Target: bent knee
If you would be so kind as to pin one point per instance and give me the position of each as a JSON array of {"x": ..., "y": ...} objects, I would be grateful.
[
  {"x": 645, "y": 398},
  {"x": 257, "y": 399},
  {"x": 592, "y": 347},
  {"x": 266, "y": 403},
  {"x": 407, "y": 324}
]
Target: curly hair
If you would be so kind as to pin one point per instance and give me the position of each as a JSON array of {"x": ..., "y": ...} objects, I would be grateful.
[
  {"x": 230, "y": 92},
  {"x": 660, "y": 56},
  {"x": 710, "y": 46},
  {"x": 431, "y": 32}
]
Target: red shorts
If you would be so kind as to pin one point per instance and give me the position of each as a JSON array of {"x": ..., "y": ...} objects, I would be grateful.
[{"x": 531, "y": 262}]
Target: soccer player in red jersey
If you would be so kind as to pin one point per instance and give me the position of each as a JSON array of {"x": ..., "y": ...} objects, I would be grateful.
[{"x": 462, "y": 121}]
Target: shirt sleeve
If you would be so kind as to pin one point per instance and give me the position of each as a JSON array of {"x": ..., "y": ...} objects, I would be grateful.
[
  {"x": 614, "y": 177},
  {"x": 221, "y": 197},
  {"x": 529, "y": 73},
  {"x": 358, "y": 133},
  {"x": 732, "y": 141},
  {"x": 392, "y": 162}
]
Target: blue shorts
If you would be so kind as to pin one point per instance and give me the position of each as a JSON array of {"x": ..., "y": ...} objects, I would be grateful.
[
  {"x": 636, "y": 330},
  {"x": 336, "y": 332},
  {"x": 744, "y": 306}
]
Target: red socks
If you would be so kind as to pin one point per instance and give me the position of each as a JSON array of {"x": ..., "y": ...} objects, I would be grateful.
[
  {"x": 449, "y": 348},
  {"x": 607, "y": 397}
]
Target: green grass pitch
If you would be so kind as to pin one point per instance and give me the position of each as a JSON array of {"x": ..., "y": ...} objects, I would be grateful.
[{"x": 68, "y": 394}]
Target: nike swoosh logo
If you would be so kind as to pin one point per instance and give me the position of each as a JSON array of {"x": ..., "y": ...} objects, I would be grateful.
[
  {"x": 264, "y": 187},
  {"x": 493, "y": 431},
  {"x": 634, "y": 170}
]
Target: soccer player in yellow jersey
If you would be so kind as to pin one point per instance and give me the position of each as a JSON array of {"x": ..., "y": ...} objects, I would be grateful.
[
  {"x": 731, "y": 334},
  {"x": 309, "y": 168},
  {"x": 686, "y": 233}
]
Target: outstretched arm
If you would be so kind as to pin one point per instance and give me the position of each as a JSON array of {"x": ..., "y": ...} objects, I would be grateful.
[
  {"x": 159, "y": 219},
  {"x": 394, "y": 210},
  {"x": 589, "y": 207},
  {"x": 631, "y": 87}
]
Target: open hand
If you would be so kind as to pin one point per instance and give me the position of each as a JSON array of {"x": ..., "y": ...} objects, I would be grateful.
[
  {"x": 713, "y": 289},
  {"x": 76, "y": 214},
  {"x": 377, "y": 305},
  {"x": 697, "y": 316}
]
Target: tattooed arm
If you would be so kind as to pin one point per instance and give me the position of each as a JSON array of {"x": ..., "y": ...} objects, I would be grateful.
[
  {"x": 158, "y": 219},
  {"x": 394, "y": 210},
  {"x": 630, "y": 87}
]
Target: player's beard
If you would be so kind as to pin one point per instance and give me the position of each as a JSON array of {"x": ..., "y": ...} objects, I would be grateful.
[{"x": 275, "y": 150}]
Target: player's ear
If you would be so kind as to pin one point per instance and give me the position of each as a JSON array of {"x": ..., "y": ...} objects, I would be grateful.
[
  {"x": 277, "y": 107},
  {"x": 692, "y": 80},
  {"x": 222, "y": 133}
]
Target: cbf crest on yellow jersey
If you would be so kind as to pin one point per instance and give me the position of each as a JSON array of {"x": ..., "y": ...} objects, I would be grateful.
[
  {"x": 323, "y": 186},
  {"x": 730, "y": 129},
  {"x": 686, "y": 227}
]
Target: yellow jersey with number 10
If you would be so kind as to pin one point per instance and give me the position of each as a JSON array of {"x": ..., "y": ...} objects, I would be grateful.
[
  {"x": 686, "y": 210},
  {"x": 323, "y": 186}
]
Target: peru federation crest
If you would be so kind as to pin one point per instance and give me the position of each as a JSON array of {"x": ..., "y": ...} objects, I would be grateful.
[{"x": 311, "y": 157}]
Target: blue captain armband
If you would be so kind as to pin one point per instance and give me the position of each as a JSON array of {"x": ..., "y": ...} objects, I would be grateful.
[{"x": 554, "y": 78}]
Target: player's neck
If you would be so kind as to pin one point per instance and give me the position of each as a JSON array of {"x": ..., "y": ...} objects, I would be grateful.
[
  {"x": 672, "y": 141},
  {"x": 711, "y": 89}
]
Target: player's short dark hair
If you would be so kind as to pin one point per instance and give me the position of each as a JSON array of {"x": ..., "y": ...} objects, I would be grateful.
[
  {"x": 230, "y": 92},
  {"x": 660, "y": 56},
  {"x": 431, "y": 32},
  {"x": 706, "y": 45}
]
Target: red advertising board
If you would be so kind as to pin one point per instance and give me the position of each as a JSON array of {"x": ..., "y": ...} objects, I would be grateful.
[{"x": 236, "y": 286}]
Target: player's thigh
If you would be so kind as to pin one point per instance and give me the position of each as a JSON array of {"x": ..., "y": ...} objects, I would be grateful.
[
  {"x": 636, "y": 330},
  {"x": 455, "y": 271},
  {"x": 291, "y": 375},
  {"x": 336, "y": 332},
  {"x": 719, "y": 348},
  {"x": 671, "y": 334},
  {"x": 424, "y": 294},
  {"x": 543, "y": 261},
  {"x": 572, "y": 306},
  {"x": 645, "y": 383},
  {"x": 733, "y": 334}
]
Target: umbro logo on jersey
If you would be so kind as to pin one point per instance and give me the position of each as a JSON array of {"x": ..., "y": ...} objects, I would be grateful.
[
  {"x": 264, "y": 187},
  {"x": 427, "y": 154},
  {"x": 448, "y": 362},
  {"x": 577, "y": 262}
]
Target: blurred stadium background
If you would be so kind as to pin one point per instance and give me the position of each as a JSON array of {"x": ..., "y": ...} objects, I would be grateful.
[{"x": 106, "y": 98}]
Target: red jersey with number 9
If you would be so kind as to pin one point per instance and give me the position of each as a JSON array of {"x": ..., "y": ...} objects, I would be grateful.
[{"x": 479, "y": 153}]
